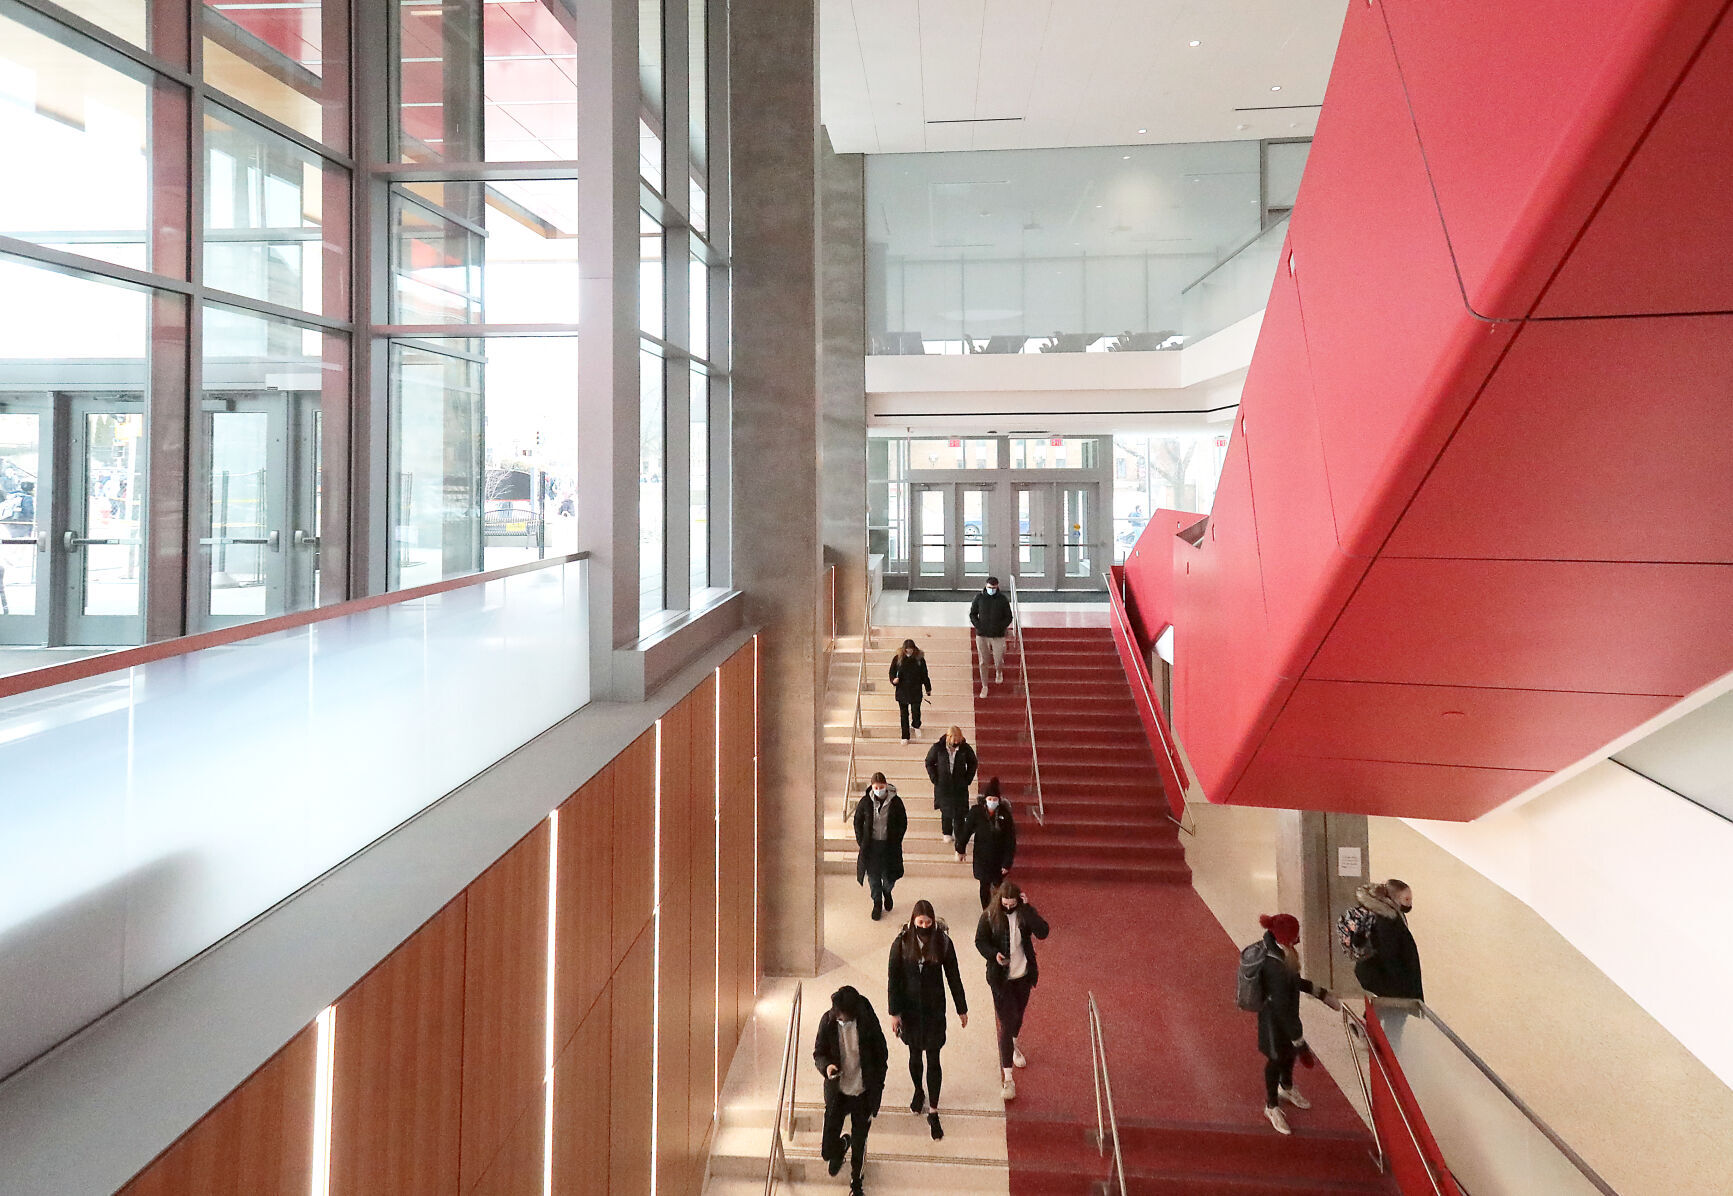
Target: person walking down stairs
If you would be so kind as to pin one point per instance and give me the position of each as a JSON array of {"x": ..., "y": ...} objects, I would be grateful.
[
  {"x": 909, "y": 677},
  {"x": 993, "y": 828},
  {"x": 951, "y": 766},
  {"x": 852, "y": 1056},
  {"x": 990, "y": 616},
  {"x": 923, "y": 963},
  {"x": 880, "y": 822},
  {"x": 1270, "y": 982},
  {"x": 1006, "y": 938}
]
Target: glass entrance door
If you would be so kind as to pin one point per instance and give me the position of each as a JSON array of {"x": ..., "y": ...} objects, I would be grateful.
[
  {"x": 261, "y": 539},
  {"x": 26, "y": 482},
  {"x": 102, "y": 536},
  {"x": 1056, "y": 535},
  {"x": 951, "y": 533}
]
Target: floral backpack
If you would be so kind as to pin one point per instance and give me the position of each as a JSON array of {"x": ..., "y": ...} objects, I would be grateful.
[{"x": 1354, "y": 932}]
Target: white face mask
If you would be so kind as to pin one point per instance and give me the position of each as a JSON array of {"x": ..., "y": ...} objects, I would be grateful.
[
  {"x": 993, "y": 804},
  {"x": 992, "y": 589},
  {"x": 877, "y": 792}
]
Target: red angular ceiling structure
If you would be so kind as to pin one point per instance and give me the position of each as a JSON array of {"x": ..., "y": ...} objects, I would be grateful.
[{"x": 1476, "y": 517}]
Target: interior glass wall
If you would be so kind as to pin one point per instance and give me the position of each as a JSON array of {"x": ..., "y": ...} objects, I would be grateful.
[
  {"x": 1065, "y": 250},
  {"x": 1153, "y": 472}
]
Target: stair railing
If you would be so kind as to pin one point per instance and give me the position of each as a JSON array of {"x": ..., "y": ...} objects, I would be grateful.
[
  {"x": 1117, "y": 612},
  {"x": 1028, "y": 703},
  {"x": 1106, "y": 1121},
  {"x": 776, "y": 1167},
  {"x": 857, "y": 725},
  {"x": 1354, "y": 1026}
]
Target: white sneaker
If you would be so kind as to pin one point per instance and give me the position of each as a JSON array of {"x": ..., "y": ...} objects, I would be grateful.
[
  {"x": 1008, "y": 1089},
  {"x": 1018, "y": 1058},
  {"x": 944, "y": 838},
  {"x": 1293, "y": 1097},
  {"x": 1277, "y": 1119},
  {"x": 959, "y": 857},
  {"x": 983, "y": 691},
  {"x": 998, "y": 676}
]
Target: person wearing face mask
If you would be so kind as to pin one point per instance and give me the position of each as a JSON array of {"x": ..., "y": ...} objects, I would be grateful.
[
  {"x": 909, "y": 678},
  {"x": 880, "y": 822},
  {"x": 853, "y": 1057},
  {"x": 990, "y": 616},
  {"x": 923, "y": 963},
  {"x": 1005, "y": 937},
  {"x": 994, "y": 831},
  {"x": 951, "y": 766},
  {"x": 1281, "y": 1034},
  {"x": 1390, "y": 963}
]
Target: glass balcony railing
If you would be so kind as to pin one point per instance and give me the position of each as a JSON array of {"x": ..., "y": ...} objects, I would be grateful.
[
  {"x": 159, "y": 798},
  {"x": 1233, "y": 288}
]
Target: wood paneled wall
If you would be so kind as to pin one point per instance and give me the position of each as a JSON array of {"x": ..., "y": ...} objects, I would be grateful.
[{"x": 439, "y": 1082}]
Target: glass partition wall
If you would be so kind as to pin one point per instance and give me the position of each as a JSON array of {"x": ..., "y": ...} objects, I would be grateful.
[{"x": 265, "y": 345}]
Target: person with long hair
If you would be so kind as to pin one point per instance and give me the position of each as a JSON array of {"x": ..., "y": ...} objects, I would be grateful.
[
  {"x": 923, "y": 963},
  {"x": 1281, "y": 1034},
  {"x": 910, "y": 679},
  {"x": 951, "y": 766},
  {"x": 1006, "y": 938}
]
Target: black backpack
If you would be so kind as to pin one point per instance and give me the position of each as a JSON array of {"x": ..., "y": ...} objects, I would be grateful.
[{"x": 1249, "y": 992}]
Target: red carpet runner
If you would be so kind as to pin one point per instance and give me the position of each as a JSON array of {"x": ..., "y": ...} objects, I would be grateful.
[{"x": 1109, "y": 874}]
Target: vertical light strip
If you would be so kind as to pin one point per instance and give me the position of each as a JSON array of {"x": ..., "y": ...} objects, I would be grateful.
[
  {"x": 656, "y": 974},
  {"x": 553, "y": 956},
  {"x": 716, "y": 937},
  {"x": 757, "y": 847},
  {"x": 324, "y": 1052}
]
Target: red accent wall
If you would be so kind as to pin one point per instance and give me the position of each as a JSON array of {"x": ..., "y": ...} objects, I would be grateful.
[{"x": 1474, "y": 521}]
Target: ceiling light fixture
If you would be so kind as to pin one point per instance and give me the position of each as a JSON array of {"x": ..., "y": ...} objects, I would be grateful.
[
  {"x": 1125, "y": 157},
  {"x": 1143, "y": 130},
  {"x": 1195, "y": 44},
  {"x": 1276, "y": 87}
]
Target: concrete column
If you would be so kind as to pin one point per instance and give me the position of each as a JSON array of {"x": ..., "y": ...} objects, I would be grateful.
[
  {"x": 1313, "y": 850},
  {"x": 842, "y": 312},
  {"x": 777, "y": 552},
  {"x": 608, "y": 335}
]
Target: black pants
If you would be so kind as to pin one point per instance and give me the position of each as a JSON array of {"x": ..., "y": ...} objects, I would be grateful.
[
  {"x": 988, "y": 885},
  {"x": 1010, "y": 1000},
  {"x": 1279, "y": 1072},
  {"x": 909, "y": 710},
  {"x": 879, "y": 884},
  {"x": 858, "y": 1112},
  {"x": 950, "y": 815},
  {"x": 935, "y": 1077}
]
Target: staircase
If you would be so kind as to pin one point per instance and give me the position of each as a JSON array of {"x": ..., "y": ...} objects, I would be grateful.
[
  {"x": 1192, "y": 1159},
  {"x": 879, "y": 747},
  {"x": 1106, "y": 810}
]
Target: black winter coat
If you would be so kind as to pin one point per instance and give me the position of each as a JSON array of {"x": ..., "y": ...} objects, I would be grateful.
[
  {"x": 909, "y": 676},
  {"x": 1279, "y": 1017},
  {"x": 917, "y": 990},
  {"x": 990, "y": 614},
  {"x": 995, "y": 836},
  {"x": 951, "y": 779},
  {"x": 896, "y": 828},
  {"x": 874, "y": 1054},
  {"x": 993, "y": 944},
  {"x": 1393, "y": 969}
]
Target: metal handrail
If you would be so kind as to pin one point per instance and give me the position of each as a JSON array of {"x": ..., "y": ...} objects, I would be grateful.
[
  {"x": 1028, "y": 704},
  {"x": 1353, "y": 1024},
  {"x": 777, "y": 1164},
  {"x": 1237, "y": 250},
  {"x": 1119, "y": 612},
  {"x": 857, "y": 725},
  {"x": 1105, "y": 1129}
]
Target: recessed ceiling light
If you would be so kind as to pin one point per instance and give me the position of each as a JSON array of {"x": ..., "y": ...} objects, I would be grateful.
[
  {"x": 1125, "y": 157},
  {"x": 1194, "y": 45},
  {"x": 1276, "y": 87},
  {"x": 1243, "y": 128},
  {"x": 1143, "y": 130}
]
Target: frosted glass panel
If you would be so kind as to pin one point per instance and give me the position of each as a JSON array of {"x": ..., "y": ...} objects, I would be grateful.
[{"x": 150, "y": 811}]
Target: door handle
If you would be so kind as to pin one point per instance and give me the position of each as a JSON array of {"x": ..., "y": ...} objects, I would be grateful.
[
  {"x": 72, "y": 541},
  {"x": 303, "y": 540},
  {"x": 275, "y": 540}
]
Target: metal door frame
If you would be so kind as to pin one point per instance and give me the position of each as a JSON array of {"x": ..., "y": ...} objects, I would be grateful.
[
  {"x": 955, "y": 574},
  {"x": 34, "y": 630},
  {"x": 72, "y": 458},
  {"x": 1058, "y": 541}
]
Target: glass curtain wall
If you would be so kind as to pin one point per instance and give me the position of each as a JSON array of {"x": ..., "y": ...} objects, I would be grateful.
[
  {"x": 189, "y": 436},
  {"x": 1155, "y": 471},
  {"x": 175, "y": 340}
]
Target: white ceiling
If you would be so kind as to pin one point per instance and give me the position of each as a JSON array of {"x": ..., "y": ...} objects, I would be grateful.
[{"x": 1074, "y": 72}]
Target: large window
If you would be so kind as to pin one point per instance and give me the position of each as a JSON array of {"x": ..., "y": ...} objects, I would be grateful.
[
  {"x": 1157, "y": 472},
  {"x": 652, "y": 484}
]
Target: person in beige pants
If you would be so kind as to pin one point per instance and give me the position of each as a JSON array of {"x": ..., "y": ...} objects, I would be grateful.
[{"x": 990, "y": 616}]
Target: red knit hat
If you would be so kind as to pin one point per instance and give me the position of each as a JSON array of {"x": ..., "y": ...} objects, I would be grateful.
[{"x": 1285, "y": 927}]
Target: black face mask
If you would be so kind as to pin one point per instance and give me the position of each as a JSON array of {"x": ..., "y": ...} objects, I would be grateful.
[{"x": 1407, "y": 909}]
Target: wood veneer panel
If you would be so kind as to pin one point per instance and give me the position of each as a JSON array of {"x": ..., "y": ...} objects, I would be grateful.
[
  {"x": 702, "y": 899},
  {"x": 516, "y": 1170},
  {"x": 673, "y": 1083},
  {"x": 633, "y": 773},
  {"x": 258, "y": 1141},
  {"x": 397, "y": 1068},
  {"x": 504, "y": 1001},
  {"x": 631, "y": 1032},
  {"x": 739, "y": 827},
  {"x": 581, "y": 1105},
  {"x": 584, "y": 905}
]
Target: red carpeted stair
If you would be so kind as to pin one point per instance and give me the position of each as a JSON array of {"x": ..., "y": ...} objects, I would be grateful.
[
  {"x": 1106, "y": 813},
  {"x": 1109, "y": 874}
]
